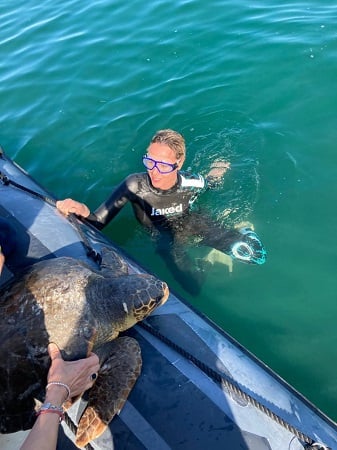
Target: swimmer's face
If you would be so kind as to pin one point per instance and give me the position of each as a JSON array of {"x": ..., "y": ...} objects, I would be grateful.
[{"x": 164, "y": 154}]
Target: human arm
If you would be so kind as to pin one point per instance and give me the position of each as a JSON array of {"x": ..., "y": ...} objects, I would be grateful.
[
  {"x": 70, "y": 206},
  {"x": 101, "y": 217},
  {"x": 107, "y": 210},
  {"x": 2, "y": 259},
  {"x": 77, "y": 376}
]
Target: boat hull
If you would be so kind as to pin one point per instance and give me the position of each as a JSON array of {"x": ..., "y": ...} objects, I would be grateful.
[{"x": 199, "y": 388}]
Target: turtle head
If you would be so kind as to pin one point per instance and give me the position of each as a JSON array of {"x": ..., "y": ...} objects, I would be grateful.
[
  {"x": 128, "y": 299},
  {"x": 144, "y": 294},
  {"x": 153, "y": 293}
]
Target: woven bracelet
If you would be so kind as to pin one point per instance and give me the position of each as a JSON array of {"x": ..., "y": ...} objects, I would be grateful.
[{"x": 47, "y": 408}]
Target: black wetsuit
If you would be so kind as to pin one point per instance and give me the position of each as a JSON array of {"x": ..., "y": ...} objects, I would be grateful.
[
  {"x": 168, "y": 211},
  {"x": 152, "y": 207},
  {"x": 175, "y": 223}
]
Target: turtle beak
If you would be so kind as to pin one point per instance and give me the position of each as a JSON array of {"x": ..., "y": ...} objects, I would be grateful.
[{"x": 166, "y": 294}]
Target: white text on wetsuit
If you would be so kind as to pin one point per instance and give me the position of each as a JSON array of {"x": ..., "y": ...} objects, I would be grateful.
[{"x": 167, "y": 211}]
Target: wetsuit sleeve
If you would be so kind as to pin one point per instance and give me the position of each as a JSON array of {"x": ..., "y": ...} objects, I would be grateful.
[{"x": 111, "y": 207}]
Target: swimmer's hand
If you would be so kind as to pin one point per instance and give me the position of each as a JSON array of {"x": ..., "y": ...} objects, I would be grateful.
[
  {"x": 69, "y": 206},
  {"x": 217, "y": 171}
]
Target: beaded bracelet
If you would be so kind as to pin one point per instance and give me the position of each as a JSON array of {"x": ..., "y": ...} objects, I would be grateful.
[{"x": 59, "y": 383}]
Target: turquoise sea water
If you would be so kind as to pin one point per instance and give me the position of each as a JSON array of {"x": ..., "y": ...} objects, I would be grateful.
[{"x": 83, "y": 87}]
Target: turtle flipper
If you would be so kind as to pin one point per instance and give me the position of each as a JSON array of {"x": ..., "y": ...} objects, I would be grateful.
[{"x": 116, "y": 378}]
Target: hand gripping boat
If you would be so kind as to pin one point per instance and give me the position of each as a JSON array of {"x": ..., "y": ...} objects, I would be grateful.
[{"x": 198, "y": 388}]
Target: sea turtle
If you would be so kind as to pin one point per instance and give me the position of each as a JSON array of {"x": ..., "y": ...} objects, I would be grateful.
[{"x": 65, "y": 301}]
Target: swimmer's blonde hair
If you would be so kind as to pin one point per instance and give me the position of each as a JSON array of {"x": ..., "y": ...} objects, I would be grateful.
[{"x": 173, "y": 139}]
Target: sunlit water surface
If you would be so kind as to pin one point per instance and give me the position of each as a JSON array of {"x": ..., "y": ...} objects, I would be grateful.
[{"x": 84, "y": 85}]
